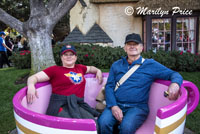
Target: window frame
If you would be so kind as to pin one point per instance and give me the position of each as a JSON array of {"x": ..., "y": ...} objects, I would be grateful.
[{"x": 147, "y": 25}]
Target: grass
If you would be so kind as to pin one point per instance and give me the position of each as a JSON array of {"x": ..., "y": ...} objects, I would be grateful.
[
  {"x": 105, "y": 70},
  {"x": 193, "y": 120},
  {"x": 8, "y": 77}
]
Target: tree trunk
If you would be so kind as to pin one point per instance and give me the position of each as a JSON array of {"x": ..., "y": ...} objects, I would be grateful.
[
  {"x": 41, "y": 54},
  {"x": 39, "y": 27}
]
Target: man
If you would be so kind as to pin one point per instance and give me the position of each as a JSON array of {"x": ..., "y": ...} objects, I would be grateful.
[
  {"x": 128, "y": 105},
  {"x": 3, "y": 50}
]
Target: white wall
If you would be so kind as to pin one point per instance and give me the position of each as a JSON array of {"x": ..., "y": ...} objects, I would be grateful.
[
  {"x": 117, "y": 24},
  {"x": 110, "y": 17},
  {"x": 84, "y": 17}
]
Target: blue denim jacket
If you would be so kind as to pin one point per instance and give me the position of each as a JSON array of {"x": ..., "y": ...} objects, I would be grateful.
[{"x": 135, "y": 90}]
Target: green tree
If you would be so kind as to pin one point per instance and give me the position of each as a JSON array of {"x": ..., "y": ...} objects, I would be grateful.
[
  {"x": 21, "y": 10},
  {"x": 38, "y": 28},
  {"x": 17, "y": 8}
]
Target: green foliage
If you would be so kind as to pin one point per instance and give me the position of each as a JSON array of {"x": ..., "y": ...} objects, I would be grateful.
[
  {"x": 93, "y": 55},
  {"x": 162, "y": 57},
  {"x": 176, "y": 60},
  {"x": 188, "y": 62},
  {"x": 17, "y": 8},
  {"x": 21, "y": 60},
  {"x": 103, "y": 57}
]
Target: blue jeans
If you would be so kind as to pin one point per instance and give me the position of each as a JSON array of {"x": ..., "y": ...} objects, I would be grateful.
[{"x": 133, "y": 117}]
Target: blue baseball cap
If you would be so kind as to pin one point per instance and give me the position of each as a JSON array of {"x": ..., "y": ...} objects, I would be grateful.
[
  {"x": 68, "y": 48},
  {"x": 2, "y": 33}
]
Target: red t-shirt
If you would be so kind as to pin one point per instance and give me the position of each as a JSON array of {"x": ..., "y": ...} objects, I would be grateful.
[{"x": 67, "y": 81}]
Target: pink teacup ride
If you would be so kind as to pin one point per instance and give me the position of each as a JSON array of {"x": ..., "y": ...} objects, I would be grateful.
[{"x": 165, "y": 116}]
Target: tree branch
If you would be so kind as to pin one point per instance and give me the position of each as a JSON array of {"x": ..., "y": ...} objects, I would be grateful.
[
  {"x": 61, "y": 9},
  {"x": 52, "y": 4},
  {"x": 11, "y": 21},
  {"x": 37, "y": 7}
]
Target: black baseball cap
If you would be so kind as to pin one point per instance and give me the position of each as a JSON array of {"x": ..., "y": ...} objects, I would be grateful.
[{"x": 133, "y": 37}]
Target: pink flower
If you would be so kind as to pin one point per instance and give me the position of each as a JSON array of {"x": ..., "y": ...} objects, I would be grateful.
[
  {"x": 86, "y": 55},
  {"x": 92, "y": 55},
  {"x": 181, "y": 53},
  {"x": 25, "y": 52},
  {"x": 189, "y": 51},
  {"x": 22, "y": 53}
]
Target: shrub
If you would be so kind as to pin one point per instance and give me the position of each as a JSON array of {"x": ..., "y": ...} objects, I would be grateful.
[
  {"x": 162, "y": 57},
  {"x": 93, "y": 55},
  {"x": 103, "y": 57},
  {"x": 176, "y": 60},
  {"x": 187, "y": 62},
  {"x": 22, "y": 59}
]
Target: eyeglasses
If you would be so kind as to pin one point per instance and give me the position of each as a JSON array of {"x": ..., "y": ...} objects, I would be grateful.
[{"x": 69, "y": 55}]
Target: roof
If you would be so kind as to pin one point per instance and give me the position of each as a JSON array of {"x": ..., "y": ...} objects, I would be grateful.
[
  {"x": 111, "y": 1},
  {"x": 74, "y": 36},
  {"x": 83, "y": 3},
  {"x": 95, "y": 35},
  {"x": 169, "y": 4},
  {"x": 155, "y": 4}
]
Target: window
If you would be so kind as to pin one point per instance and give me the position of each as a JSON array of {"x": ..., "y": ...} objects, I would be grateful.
[
  {"x": 161, "y": 34},
  {"x": 170, "y": 33},
  {"x": 185, "y": 34}
]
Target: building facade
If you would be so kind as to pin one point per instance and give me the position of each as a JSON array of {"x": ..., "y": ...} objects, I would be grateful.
[{"x": 163, "y": 24}]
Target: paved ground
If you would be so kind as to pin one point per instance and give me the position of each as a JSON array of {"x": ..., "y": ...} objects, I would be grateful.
[{"x": 186, "y": 131}]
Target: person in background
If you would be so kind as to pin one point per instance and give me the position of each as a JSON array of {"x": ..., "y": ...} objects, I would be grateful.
[
  {"x": 3, "y": 50},
  {"x": 127, "y": 107},
  {"x": 9, "y": 44},
  {"x": 19, "y": 44},
  {"x": 24, "y": 43}
]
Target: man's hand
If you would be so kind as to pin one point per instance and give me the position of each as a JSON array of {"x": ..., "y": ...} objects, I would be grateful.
[
  {"x": 31, "y": 94},
  {"x": 173, "y": 91},
  {"x": 117, "y": 113}
]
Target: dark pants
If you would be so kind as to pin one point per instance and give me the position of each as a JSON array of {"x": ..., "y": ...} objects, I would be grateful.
[
  {"x": 73, "y": 107},
  {"x": 71, "y": 104},
  {"x": 133, "y": 117},
  {"x": 3, "y": 59}
]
